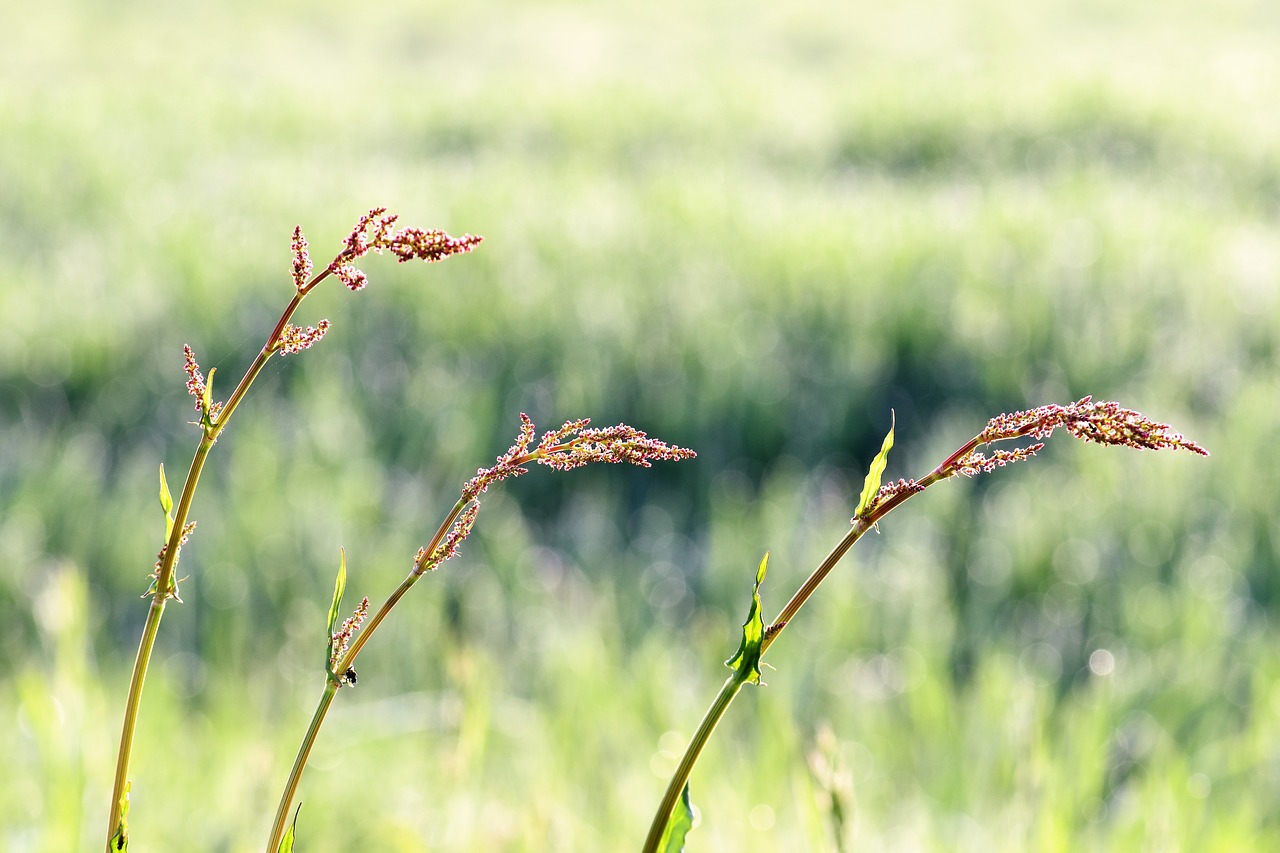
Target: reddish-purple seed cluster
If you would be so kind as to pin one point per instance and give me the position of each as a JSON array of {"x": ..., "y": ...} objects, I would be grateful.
[
  {"x": 976, "y": 462},
  {"x": 373, "y": 232},
  {"x": 448, "y": 549},
  {"x": 301, "y": 260},
  {"x": 196, "y": 386},
  {"x": 572, "y": 446},
  {"x": 294, "y": 340},
  {"x": 341, "y": 639},
  {"x": 1102, "y": 422}
]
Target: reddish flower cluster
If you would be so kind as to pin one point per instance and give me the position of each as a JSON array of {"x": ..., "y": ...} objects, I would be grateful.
[
  {"x": 342, "y": 637},
  {"x": 301, "y": 260},
  {"x": 1103, "y": 422},
  {"x": 373, "y": 232},
  {"x": 448, "y": 549},
  {"x": 975, "y": 462},
  {"x": 196, "y": 386},
  {"x": 294, "y": 340},
  {"x": 187, "y": 530},
  {"x": 892, "y": 490},
  {"x": 572, "y": 446}
]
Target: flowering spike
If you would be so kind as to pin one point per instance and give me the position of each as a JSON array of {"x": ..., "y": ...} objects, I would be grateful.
[
  {"x": 294, "y": 340},
  {"x": 616, "y": 444},
  {"x": 373, "y": 232},
  {"x": 1102, "y": 422},
  {"x": 301, "y": 260},
  {"x": 572, "y": 446},
  {"x": 976, "y": 462},
  {"x": 172, "y": 592},
  {"x": 429, "y": 246},
  {"x": 340, "y": 640},
  {"x": 197, "y": 387},
  {"x": 195, "y": 379},
  {"x": 448, "y": 549}
]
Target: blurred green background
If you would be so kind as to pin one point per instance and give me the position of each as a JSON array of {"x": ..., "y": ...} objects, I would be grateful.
[{"x": 751, "y": 229}]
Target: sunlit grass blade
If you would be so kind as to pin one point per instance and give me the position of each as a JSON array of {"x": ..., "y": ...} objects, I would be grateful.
[
  {"x": 335, "y": 609},
  {"x": 871, "y": 486},
  {"x": 166, "y": 504}
]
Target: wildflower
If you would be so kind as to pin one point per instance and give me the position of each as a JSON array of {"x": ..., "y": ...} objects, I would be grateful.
[
  {"x": 301, "y": 260},
  {"x": 572, "y": 446},
  {"x": 448, "y": 549},
  {"x": 341, "y": 639},
  {"x": 1102, "y": 422},
  {"x": 294, "y": 340},
  {"x": 196, "y": 385},
  {"x": 373, "y": 232}
]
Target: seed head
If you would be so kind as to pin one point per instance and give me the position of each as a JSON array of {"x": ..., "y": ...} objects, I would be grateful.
[
  {"x": 294, "y": 340},
  {"x": 373, "y": 232}
]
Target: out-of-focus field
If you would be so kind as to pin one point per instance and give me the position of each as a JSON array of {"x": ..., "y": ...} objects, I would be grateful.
[{"x": 751, "y": 229}]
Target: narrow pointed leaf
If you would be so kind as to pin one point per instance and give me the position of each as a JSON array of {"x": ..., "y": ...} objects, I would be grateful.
[
  {"x": 286, "y": 842},
  {"x": 678, "y": 825},
  {"x": 871, "y": 486},
  {"x": 207, "y": 403},
  {"x": 746, "y": 663},
  {"x": 166, "y": 504},
  {"x": 335, "y": 609}
]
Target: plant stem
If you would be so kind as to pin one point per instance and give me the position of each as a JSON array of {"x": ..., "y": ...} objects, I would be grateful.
[
  {"x": 300, "y": 764},
  {"x": 708, "y": 725},
  {"x": 731, "y": 687},
  {"x": 164, "y": 571},
  {"x": 331, "y": 687}
]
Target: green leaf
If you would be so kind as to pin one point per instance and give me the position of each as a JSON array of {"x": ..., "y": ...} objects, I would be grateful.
[
  {"x": 120, "y": 841},
  {"x": 335, "y": 609},
  {"x": 871, "y": 486},
  {"x": 678, "y": 825},
  {"x": 206, "y": 404},
  {"x": 286, "y": 843},
  {"x": 746, "y": 663},
  {"x": 166, "y": 504}
]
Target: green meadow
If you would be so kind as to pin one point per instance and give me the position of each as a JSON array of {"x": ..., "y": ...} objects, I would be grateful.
[{"x": 750, "y": 229}]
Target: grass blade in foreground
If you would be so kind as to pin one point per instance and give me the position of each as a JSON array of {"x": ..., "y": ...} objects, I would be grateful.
[{"x": 1103, "y": 423}]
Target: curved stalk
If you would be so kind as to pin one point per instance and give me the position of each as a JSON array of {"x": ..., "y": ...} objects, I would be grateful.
[
  {"x": 300, "y": 764},
  {"x": 691, "y": 754},
  {"x": 165, "y": 569},
  {"x": 1099, "y": 422},
  {"x": 331, "y": 687}
]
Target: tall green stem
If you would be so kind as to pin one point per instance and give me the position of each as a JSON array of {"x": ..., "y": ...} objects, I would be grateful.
[
  {"x": 300, "y": 764},
  {"x": 165, "y": 569},
  {"x": 331, "y": 687},
  {"x": 731, "y": 687},
  {"x": 708, "y": 725}
]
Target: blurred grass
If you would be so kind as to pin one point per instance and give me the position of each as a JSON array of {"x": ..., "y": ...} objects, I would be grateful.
[{"x": 748, "y": 230}]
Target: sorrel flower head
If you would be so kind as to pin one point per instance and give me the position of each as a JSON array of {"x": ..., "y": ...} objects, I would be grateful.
[
  {"x": 196, "y": 385},
  {"x": 448, "y": 549},
  {"x": 373, "y": 232},
  {"x": 301, "y": 260},
  {"x": 1101, "y": 422},
  {"x": 294, "y": 340},
  {"x": 572, "y": 446},
  {"x": 341, "y": 639}
]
